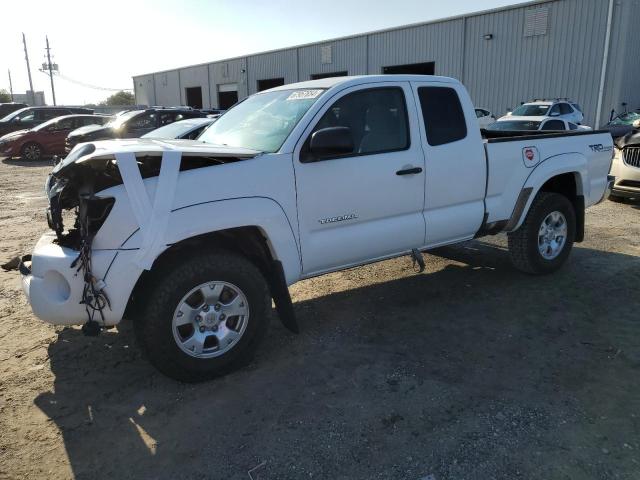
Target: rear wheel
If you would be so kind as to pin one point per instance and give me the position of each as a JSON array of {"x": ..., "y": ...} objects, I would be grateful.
[
  {"x": 543, "y": 242},
  {"x": 204, "y": 317},
  {"x": 31, "y": 151}
]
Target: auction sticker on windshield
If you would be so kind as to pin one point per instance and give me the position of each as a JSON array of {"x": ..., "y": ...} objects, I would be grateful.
[{"x": 304, "y": 94}]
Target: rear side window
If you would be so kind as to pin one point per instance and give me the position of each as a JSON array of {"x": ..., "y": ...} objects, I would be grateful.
[
  {"x": 377, "y": 118},
  {"x": 146, "y": 120},
  {"x": 53, "y": 113},
  {"x": 553, "y": 125},
  {"x": 444, "y": 118},
  {"x": 565, "y": 109}
]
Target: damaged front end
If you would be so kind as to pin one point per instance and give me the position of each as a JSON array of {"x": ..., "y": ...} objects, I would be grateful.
[
  {"x": 79, "y": 204},
  {"x": 72, "y": 187}
]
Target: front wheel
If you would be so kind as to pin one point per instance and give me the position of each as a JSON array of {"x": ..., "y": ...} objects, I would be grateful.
[
  {"x": 31, "y": 152},
  {"x": 204, "y": 317},
  {"x": 543, "y": 242}
]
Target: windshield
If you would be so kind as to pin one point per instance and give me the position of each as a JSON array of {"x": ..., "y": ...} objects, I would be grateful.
[
  {"x": 118, "y": 120},
  {"x": 625, "y": 119},
  {"x": 531, "y": 110},
  {"x": 13, "y": 115},
  {"x": 176, "y": 129},
  {"x": 514, "y": 125},
  {"x": 263, "y": 121}
]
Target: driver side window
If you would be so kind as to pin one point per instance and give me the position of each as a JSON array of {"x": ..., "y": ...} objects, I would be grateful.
[
  {"x": 376, "y": 118},
  {"x": 27, "y": 116}
]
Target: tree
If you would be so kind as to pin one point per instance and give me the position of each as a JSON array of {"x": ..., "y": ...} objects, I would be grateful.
[
  {"x": 4, "y": 96},
  {"x": 120, "y": 98}
]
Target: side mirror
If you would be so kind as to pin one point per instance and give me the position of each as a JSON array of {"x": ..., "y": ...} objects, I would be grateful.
[
  {"x": 554, "y": 114},
  {"x": 331, "y": 141},
  {"x": 17, "y": 120}
]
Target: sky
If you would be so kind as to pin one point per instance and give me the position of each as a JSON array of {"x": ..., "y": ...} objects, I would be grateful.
[{"x": 105, "y": 43}]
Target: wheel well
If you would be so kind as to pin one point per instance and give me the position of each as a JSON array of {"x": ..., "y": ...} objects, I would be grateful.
[
  {"x": 567, "y": 184},
  {"x": 250, "y": 241}
]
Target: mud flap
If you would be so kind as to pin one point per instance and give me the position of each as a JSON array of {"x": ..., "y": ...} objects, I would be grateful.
[{"x": 282, "y": 298}]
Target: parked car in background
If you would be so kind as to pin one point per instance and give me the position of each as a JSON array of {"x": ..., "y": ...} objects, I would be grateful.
[
  {"x": 563, "y": 109},
  {"x": 623, "y": 124},
  {"x": 212, "y": 111},
  {"x": 626, "y": 167},
  {"x": 47, "y": 138},
  {"x": 183, "y": 129},
  {"x": 485, "y": 117},
  {"x": 132, "y": 124},
  {"x": 7, "y": 108},
  {"x": 29, "y": 117},
  {"x": 551, "y": 124}
]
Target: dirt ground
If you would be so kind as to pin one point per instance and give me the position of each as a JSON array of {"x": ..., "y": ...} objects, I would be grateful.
[{"x": 470, "y": 370}]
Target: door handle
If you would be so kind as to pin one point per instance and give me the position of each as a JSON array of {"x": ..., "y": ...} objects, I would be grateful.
[{"x": 409, "y": 171}]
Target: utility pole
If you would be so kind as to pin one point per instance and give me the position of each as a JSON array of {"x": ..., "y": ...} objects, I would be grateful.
[
  {"x": 10, "y": 85},
  {"x": 53, "y": 91},
  {"x": 26, "y": 57}
]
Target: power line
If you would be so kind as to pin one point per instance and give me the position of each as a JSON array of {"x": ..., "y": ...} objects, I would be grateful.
[{"x": 88, "y": 85}]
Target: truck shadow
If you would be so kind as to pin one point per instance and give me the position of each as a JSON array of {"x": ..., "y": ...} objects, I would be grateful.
[{"x": 413, "y": 371}]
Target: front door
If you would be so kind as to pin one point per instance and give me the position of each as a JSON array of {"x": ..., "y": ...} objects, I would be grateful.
[{"x": 366, "y": 204}]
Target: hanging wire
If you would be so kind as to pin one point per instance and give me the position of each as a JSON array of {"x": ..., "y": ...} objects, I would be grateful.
[{"x": 88, "y": 85}]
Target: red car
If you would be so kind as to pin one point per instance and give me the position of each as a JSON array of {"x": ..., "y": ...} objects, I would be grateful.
[{"x": 48, "y": 138}]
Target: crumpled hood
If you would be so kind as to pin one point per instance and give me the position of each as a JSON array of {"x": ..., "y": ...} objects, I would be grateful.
[
  {"x": 631, "y": 138},
  {"x": 100, "y": 150},
  {"x": 13, "y": 135}
]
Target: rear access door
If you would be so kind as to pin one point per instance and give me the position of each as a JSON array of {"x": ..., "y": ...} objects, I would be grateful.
[{"x": 456, "y": 170}]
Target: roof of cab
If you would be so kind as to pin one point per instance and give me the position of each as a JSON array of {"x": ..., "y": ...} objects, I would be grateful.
[{"x": 360, "y": 79}]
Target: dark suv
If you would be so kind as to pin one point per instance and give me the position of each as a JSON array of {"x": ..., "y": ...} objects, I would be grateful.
[
  {"x": 7, "y": 108},
  {"x": 29, "y": 117},
  {"x": 130, "y": 124}
]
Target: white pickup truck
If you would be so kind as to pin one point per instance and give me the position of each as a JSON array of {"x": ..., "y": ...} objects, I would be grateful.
[{"x": 191, "y": 239}]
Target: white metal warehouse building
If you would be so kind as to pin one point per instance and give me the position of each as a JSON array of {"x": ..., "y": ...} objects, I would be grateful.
[{"x": 584, "y": 50}]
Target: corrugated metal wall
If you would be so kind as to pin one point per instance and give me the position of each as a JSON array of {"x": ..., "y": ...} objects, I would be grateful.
[
  {"x": 512, "y": 68},
  {"x": 167, "y": 88},
  {"x": 559, "y": 57},
  {"x": 441, "y": 43},
  {"x": 197, "y": 76},
  {"x": 280, "y": 64},
  {"x": 230, "y": 72},
  {"x": 348, "y": 55},
  {"x": 622, "y": 83}
]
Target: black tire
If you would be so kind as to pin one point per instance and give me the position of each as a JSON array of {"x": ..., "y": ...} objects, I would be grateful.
[
  {"x": 523, "y": 243},
  {"x": 154, "y": 327},
  {"x": 31, "y": 152},
  {"x": 616, "y": 198}
]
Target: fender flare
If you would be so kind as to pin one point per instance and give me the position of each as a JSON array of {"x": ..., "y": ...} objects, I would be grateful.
[
  {"x": 209, "y": 217},
  {"x": 574, "y": 163}
]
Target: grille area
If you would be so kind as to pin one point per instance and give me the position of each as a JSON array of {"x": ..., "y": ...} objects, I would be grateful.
[{"x": 631, "y": 156}]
